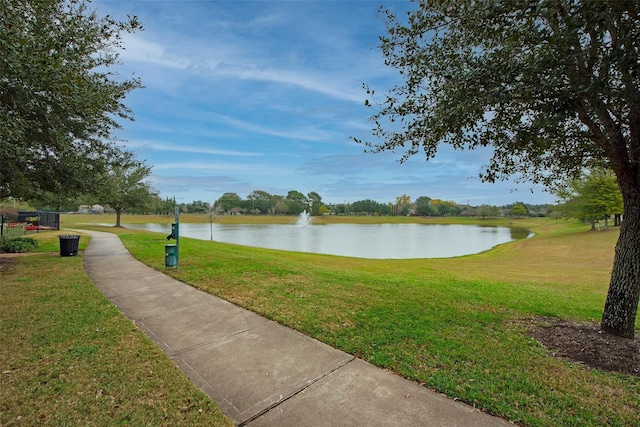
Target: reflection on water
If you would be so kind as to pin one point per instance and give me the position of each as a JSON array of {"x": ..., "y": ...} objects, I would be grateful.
[
  {"x": 379, "y": 241},
  {"x": 518, "y": 233}
]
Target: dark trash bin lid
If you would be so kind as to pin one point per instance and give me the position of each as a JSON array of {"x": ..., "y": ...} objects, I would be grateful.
[{"x": 69, "y": 236}]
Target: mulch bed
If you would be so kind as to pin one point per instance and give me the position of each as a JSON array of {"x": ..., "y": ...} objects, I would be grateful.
[{"x": 588, "y": 344}]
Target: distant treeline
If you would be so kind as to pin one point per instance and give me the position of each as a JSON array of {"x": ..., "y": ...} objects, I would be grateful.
[
  {"x": 295, "y": 202},
  {"x": 263, "y": 203}
]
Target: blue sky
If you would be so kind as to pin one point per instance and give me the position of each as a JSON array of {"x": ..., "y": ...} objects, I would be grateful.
[{"x": 265, "y": 95}]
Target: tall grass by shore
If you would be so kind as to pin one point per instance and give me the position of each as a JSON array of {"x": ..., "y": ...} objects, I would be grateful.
[{"x": 456, "y": 325}]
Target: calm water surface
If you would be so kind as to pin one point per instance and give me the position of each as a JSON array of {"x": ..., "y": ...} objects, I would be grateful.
[{"x": 379, "y": 241}]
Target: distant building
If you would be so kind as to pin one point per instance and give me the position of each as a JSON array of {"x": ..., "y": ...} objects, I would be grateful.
[{"x": 97, "y": 209}]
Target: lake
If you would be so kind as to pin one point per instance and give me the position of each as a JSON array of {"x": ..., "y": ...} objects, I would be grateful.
[{"x": 378, "y": 241}]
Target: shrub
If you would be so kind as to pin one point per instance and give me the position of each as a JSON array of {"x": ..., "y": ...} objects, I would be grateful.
[{"x": 18, "y": 245}]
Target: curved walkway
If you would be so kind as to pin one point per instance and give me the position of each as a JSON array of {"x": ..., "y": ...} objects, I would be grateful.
[{"x": 259, "y": 372}]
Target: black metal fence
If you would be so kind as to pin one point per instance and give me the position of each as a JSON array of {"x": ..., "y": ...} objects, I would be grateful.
[{"x": 28, "y": 222}]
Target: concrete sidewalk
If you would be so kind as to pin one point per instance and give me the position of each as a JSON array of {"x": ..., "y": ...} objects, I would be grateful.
[{"x": 259, "y": 372}]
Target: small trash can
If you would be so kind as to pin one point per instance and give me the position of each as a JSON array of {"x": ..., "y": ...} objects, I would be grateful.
[
  {"x": 69, "y": 244},
  {"x": 170, "y": 255}
]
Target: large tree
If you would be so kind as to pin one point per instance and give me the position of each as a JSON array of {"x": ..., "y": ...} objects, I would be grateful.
[
  {"x": 423, "y": 206},
  {"x": 296, "y": 202},
  {"x": 261, "y": 201},
  {"x": 125, "y": 186},
  {"x": 229, "y": 202},
  {"x": 551, "y": 85},
  {"x": 591, "y": 197},
  {"x": 518, "y": 210},
  {"x": 59, "y": 96},
  {"x": 315, "y": 202}
]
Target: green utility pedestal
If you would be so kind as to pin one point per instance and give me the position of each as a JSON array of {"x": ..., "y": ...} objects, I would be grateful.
[{"x": 170, "y": 255}]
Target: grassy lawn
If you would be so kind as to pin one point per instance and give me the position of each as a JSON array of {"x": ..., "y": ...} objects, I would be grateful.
[
  {"x": 455, "y": 325},
  {"x": 68, "y": 357}
]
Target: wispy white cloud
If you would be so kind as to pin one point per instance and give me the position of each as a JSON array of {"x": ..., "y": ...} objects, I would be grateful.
[
  {"x": 235, "y": 56},
  {"x": 249, "y": 170},
  {"x": 159, "y": 146},
  {"x": 231, "y": 63},
  {"x": 304, "y": 79},
  {"x": 138, "y": 49},
  {"x": 247, "y": 95},
  {"x": 305, "y": 134}
]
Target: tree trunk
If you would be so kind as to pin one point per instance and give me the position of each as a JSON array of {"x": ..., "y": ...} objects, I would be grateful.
[
  {"x": 620, "y": 310},
  {"x": 118, "y": 212}
]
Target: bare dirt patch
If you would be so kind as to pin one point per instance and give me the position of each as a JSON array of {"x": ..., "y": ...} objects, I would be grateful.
[
  {"x": 8, "y": 259},
  {"x": 6, "y": 262},
  {"x": 588, "y": 344}
]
